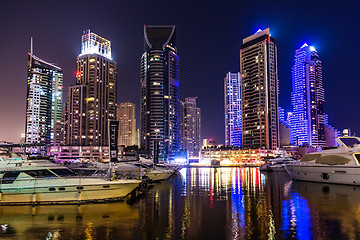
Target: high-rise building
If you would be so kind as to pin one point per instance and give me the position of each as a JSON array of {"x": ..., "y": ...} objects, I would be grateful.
[
  {"x": 191, "y": 127},
  {"x": 232, "y": 94},
  {"x": 92, "y": 99},
  {"x": 125, "y": 114},
  {"x": 43, "y": 102},
  {"x": 259, "y": 91},
  {"x": 308, "y": 119},
  {"x": 160, "y": 92}
]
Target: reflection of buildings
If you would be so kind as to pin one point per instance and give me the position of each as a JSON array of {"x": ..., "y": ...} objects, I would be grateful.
[{"x": 110, "y": 221}]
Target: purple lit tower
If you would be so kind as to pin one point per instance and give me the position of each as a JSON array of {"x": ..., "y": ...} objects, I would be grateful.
[{"x": 308, "y": 118}]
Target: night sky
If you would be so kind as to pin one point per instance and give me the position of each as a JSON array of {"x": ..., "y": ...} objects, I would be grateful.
[{"x": 209, "y": 35}]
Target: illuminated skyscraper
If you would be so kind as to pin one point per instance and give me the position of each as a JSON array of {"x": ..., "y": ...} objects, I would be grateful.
[
  {"x": 125, "y": 114},
  {"x": 160, "y": 92},
  {"x": 308, "y": 119},
  {"x": 259, "y": 91},
  {"x": 92, "y": 99},
  {"x": 191, "y": 127},
  {"x": 232, "y": 109},
  {"x": 43, "y": 102}
]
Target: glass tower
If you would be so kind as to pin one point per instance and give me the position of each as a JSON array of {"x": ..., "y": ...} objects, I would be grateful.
[
  {"x": 160, "y": 92},
  {"x": 92, "y": 100},
  {"x": 43, "y": 102},
  {"x": 259, "y": 91},
  {"x": 308, "y": 118},
  {"x": 232, "y": 109}
]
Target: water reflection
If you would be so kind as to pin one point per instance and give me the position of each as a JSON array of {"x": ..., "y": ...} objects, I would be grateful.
[
  {"x": 98, "y": 221},
  {"x": 203, "y": 203}
]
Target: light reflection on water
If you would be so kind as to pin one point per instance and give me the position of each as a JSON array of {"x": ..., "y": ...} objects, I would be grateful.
[{"x": 202, "y": 203}]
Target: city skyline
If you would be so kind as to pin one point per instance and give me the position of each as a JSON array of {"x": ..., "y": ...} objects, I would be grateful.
[{"x": 324, "y": 35}]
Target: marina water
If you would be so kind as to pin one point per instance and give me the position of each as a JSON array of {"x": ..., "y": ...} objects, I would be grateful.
[{"x": 202, "y": 203}]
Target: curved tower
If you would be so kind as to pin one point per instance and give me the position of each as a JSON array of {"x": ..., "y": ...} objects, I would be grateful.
[{"x": 160, "y": 92}]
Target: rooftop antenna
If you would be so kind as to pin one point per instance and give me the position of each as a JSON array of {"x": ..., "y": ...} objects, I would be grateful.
[{"x": 31, "y": 46}]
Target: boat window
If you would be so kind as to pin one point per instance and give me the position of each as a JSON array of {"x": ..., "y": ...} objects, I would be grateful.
[
  {"x": 357, "y": 156},
  {"x": 43, "y": 173},
  {"x": 350, "y": 142},
  {"x": 9, "y": 177},
  {"x": 62, "y": 172}
]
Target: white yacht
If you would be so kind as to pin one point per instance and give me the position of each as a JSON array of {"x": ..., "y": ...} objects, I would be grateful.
[
  {"x": 278, "y": 164},
  {"x": 43, "y": 182},
  {"x": 339, "y": 165},
  {"x": 130, "y": 170}
]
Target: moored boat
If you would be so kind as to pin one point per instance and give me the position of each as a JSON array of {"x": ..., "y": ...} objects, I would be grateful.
[
  {"x": 339, "y": 165},
  {"x": 43, "y": 182},
  {"x": 278, "y": 164}
]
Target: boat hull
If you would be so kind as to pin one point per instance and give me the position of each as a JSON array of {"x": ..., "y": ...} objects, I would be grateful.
[
  {"x": 69, "y": 191},
  {"x": 159, "y": 175},
  {"x": 349, "y": 175}
]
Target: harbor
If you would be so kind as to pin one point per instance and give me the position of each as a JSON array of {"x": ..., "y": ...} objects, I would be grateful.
[{"x": 201, "y": 203}]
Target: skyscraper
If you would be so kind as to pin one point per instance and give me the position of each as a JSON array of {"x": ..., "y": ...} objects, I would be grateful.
[
  {"x": 191, "y": 127},
  {"x": 125, "y": 114},
  {"x": 308, "y": 119},
  {"x": 160, "y": 92},
  {"x": 259, "y": 91},
  {"x": 232, "y": 94},
  {"x": 92, "y": 99},
  {"x": 43, "y": 102}
]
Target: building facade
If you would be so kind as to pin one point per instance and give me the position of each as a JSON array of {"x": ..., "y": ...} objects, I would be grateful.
[
  {"x": 160, "y": 92},
  {"x": 259, "y": 91},
  {"x": 191, "y": 127},
  {"x": 232, "y": 94},
  {"x": 308, "y": 118},
  {"x": 92, "y": 100},
  {"x": 125, "y": 114},
  {"x": 43, "y": 102}
]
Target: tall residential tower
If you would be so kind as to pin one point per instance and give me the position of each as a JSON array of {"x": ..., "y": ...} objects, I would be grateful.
[
  {"x": 92, "y": 99},
  {"x": 43, "y": 102},
  {"x": 232, "y": 94},
  {"x": 191, "y": 127},
  {"x": 259, "y": 91},
  {"x": 160, "y": 92},
  {"x": 125, "y": 114},
  {"x": 308, "y": 118}
]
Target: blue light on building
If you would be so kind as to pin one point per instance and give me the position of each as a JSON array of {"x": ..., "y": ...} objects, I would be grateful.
[
  {"x": 307, "y": 120},
  {"x": 232, "y": 109}
]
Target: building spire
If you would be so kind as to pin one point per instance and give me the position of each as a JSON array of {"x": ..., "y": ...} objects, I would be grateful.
[{"x": 31, "y": 46}]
